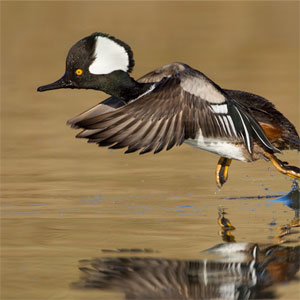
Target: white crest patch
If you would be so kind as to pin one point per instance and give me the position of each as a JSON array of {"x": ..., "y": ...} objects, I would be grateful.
[
  {"x": 201, "y": 87},
  {"x": 109, "y": 57}
]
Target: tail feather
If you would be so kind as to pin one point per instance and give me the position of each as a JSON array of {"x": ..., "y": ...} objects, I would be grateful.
[{"x": 293, "y": 142}]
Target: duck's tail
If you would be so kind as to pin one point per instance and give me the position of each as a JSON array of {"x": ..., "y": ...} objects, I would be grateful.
[
  {"x": 284, "y": 138},
  {"x": 294, "y": 143}
]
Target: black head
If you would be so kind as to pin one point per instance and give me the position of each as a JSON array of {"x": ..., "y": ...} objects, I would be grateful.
[{"x": 93, "y": 62}]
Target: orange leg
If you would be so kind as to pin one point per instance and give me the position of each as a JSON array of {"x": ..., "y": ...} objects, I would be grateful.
[
  {"x": 226, "y": 227},
  {"x": 282, "y": 167},
  {"x": 222, "y": 221},
  {"x": 222, "y": 170}
]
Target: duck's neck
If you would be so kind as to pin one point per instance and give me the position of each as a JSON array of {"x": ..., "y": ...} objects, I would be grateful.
[{"x": 120, "y": 85}]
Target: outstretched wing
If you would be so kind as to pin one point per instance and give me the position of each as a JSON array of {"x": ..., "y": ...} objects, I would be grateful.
[
  {"x": 181, "y": 105},
  {"x": 113, "y": 103}
]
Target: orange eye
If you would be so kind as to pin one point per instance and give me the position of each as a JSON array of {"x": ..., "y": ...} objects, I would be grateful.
[{"x": 78, "y": 72}]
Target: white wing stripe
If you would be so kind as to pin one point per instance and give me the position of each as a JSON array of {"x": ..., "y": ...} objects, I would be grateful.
[
  {"x": 260, "y": 138},
  {"x": 232, "y": 125},
  {"x": 220, "y": 119},
  {"x": 246, "y": 132},
  {"x": 220, "y": 109},
  {"x": 227, "y": 124}
]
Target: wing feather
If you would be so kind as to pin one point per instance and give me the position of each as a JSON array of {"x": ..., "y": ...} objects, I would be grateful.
[
  {"x": 182, "y": 102},
  {"x": 107, "y": 105},
  {"x": 166, "y": 137}
]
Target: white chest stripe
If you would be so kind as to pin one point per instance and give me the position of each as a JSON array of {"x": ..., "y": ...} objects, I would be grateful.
[{"x": 109, "y": 57}]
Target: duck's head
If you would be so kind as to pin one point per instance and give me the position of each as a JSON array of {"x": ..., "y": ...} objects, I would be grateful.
[{"x": 98, "y": 61}]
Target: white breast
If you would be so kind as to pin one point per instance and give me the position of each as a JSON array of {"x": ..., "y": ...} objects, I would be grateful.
[{"x": 223, "y": 148}]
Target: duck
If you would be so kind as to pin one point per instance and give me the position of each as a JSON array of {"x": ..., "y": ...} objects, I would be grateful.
[{"x": 169, "y": 106}]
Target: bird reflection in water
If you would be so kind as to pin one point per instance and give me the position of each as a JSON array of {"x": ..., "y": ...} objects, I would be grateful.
[
  {"x": 240, "y": 271},
  {"x": 226, "y": 226}
]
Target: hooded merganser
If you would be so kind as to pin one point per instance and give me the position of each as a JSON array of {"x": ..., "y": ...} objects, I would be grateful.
[{"x": 169, "y": 106}]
